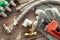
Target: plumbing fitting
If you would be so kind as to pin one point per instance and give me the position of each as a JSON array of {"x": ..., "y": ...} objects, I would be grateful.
[
  {"x": 35, "y": 23},
  {"x": 37, "y": 17},
  {"x": 4, "y": 5},
  {"x": 2, "y": 12},
  {"x": 2, "y": 9},
  {"x": 27, "y": 23},
  {"x": 11, "y": 2},
  {"x": 5, "y": 1},
  {"x": 31, "y": 30},
  {"x": 31, "y": 34},
  {"x": 32, "y": 6},
  {"x": 38, "y": 11},
  {"x": 6, "y": 29},
  {"x": 39, "y": 14}
]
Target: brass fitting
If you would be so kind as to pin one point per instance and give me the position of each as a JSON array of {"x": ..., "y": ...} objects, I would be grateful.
[{"x": 31, "y": 33}]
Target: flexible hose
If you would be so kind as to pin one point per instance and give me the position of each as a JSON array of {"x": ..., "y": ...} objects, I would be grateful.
[
  {"x": 32, "y": 6},
  {"x": 23, "y": 5}
]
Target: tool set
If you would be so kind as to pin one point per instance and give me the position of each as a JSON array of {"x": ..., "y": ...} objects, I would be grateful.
[{"x": 46, "y": 14}]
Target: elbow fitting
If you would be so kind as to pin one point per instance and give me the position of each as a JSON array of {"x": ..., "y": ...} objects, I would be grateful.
[{"x": 27, "y": 22}]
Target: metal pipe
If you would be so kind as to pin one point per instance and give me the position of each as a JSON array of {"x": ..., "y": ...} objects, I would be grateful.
[{"x": 32, "y": 6}]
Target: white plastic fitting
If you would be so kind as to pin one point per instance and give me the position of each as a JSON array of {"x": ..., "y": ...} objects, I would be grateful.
[
  {"x": 15, "y": 22},
  {"x": 27, "y": 22},
  {"x": 3, "y": 14},
  {"x": 1, "y": 8},
  {"x": 37, "y": 17},
  {"x": 6, "y": 29},
  {"x": 8, "y": 9},
  {"x": 41, "y": 14},
  {"x": 38, "y": 12},
  {"x": 12, "y": 3},
  {"x": 35, "y": 23}
]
